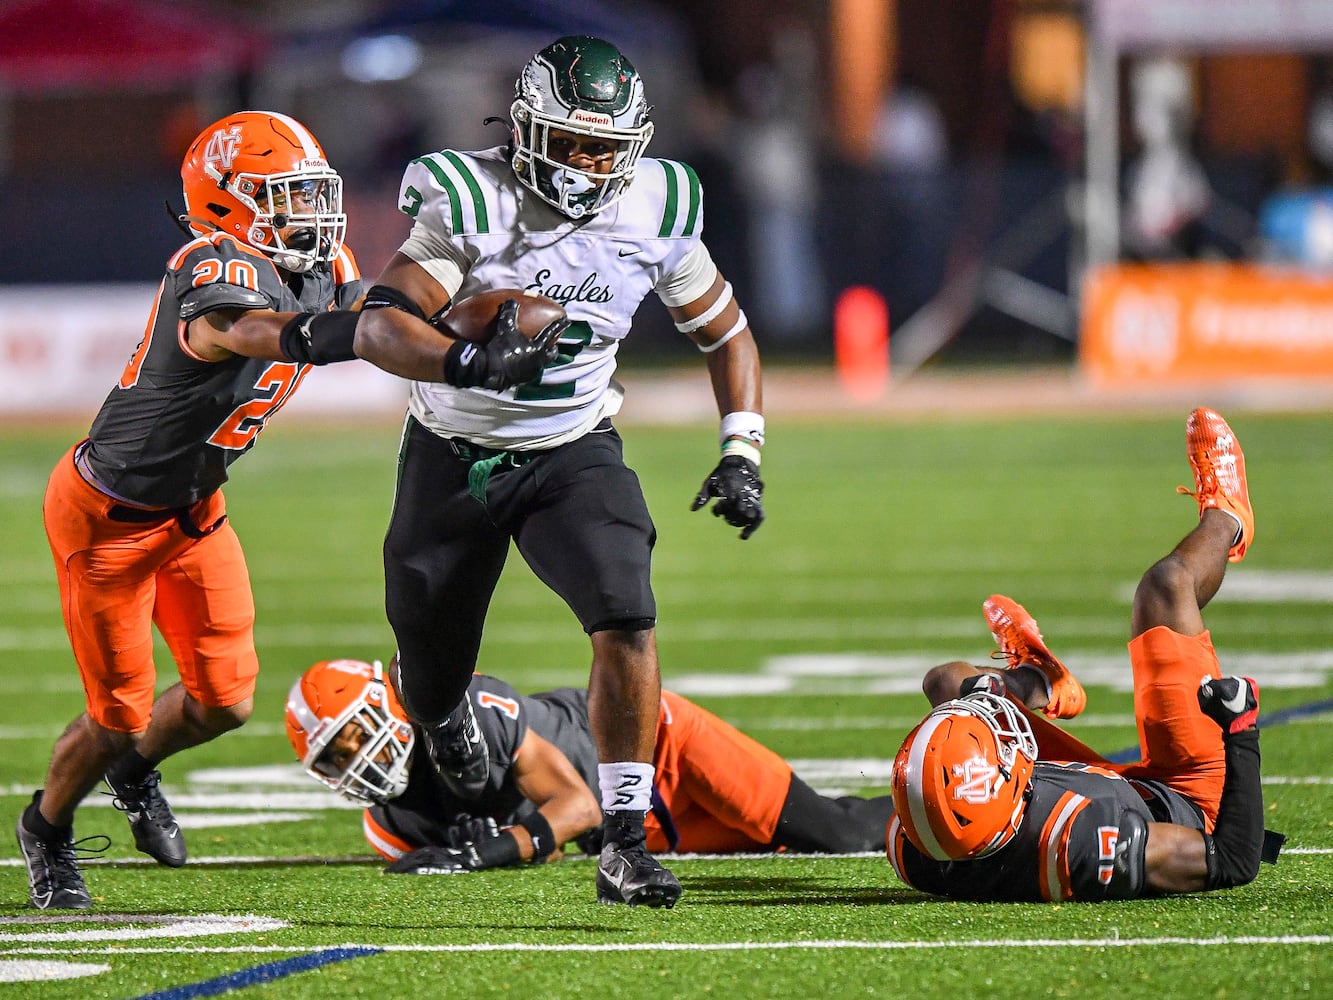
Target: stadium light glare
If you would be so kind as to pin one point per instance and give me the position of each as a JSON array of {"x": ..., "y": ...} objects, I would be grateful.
[{"x": 382, "y": 58}]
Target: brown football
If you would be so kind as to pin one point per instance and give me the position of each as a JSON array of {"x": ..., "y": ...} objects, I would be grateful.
[{"x": 473, "y": 318}]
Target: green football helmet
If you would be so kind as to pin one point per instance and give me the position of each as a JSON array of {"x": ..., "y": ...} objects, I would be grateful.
[{"x": 585, "y": 86}]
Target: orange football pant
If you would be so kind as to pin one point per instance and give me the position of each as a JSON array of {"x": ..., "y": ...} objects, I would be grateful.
[
  {"x": 724, "y": 791},
  {"x": 117, "y": 580},
  {"x": 1181, "y": 747}
]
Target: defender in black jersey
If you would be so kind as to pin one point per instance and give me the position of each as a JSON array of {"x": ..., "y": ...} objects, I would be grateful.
[
  {"x": 135, "y": 513},
  {"x": 717, "y": 789},
  {"x": 993, "y": 802}
]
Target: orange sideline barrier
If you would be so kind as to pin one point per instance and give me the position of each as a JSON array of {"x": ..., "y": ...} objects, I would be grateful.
[{"x": 1204, "y": 322}]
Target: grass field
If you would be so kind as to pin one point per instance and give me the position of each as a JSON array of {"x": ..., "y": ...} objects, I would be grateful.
[{"x": 882, "y": 540}]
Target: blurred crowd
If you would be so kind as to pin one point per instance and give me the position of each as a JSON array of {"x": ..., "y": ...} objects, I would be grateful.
[{"x": 976, "y": 146}]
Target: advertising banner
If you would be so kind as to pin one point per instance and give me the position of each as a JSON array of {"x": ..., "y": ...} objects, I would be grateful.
[{"x": 1205, "y": 322}]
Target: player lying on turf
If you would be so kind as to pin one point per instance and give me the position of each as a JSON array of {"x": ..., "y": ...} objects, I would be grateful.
[
  {"x": 995, "y": 803},
  {"x": 715, "y": 789}
]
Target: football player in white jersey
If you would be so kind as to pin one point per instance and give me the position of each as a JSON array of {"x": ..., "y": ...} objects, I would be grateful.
[{"x": 569, "y": 209}]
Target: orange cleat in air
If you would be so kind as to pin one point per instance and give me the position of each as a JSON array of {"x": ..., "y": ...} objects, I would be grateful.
[
  {"x": 1219, "y": 474},
  {"x": 1021, "y": 644}
]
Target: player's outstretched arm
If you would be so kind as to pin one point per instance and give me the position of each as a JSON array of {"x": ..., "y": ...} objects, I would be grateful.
[
  {"x": 395, "y": 334},
  {"x": 719, "y": 328},
  {"x": 565, "y": 804},
  {"x": 224, "y": 320},
  {"x": 566, "y": 808}
]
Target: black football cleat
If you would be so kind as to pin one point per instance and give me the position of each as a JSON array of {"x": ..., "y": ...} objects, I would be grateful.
[
  {"x": 627, "y": 873},
  {"x": 54, "y": 879},
  {"x": 1231, "y": 702},
  {"x": 457, "y": 747},
  {"x": 155, "y": 830}
]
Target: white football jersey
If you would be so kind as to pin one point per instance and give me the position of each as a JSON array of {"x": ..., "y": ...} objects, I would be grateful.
[{"x": 472, "y": 216}]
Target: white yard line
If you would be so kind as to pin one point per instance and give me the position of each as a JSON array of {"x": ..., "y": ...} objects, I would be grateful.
[{"x": 835, "y": 944}]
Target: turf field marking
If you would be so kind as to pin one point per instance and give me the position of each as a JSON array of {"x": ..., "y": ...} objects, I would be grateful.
[
  {"x": 266, "y": 973},
  {"x": 21, "y": 971},
  {"x": 1259, "y": 586},
  {"x": 852, "y": 674},
  {"x": 669, "y": 946},
  {"x": 126, "y": 927}
]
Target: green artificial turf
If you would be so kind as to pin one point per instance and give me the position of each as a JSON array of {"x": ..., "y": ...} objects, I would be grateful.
[{"x": 881, "y": 542}]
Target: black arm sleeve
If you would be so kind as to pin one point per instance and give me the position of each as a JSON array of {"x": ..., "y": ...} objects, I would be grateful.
[
  {"x": 388, "y": 297},
  {"x": 319, "y": 338},
  {"x": 1237, "y": 840},
  {"x": 1129, "y": 873}
]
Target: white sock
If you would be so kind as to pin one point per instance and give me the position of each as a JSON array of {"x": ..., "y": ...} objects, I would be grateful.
[{"x": 627, "y": 785}]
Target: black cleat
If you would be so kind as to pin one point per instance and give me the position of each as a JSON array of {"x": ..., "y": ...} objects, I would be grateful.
[
  {"x": 627, "y": 873},
  {"x": 457, "y": 747},
  {"x": 54, "y": 879},
  {"x": 155, "y": 830},
  {"x": 1231, "y": 702}
]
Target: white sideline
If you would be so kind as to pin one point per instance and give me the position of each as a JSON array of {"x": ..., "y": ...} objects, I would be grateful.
[{"x": 656, "y": 946}]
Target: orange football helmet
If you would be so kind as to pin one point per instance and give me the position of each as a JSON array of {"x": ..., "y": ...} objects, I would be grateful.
[
  {"x": 370, "y": 762},
  {"x": 960, "y": 781},
  {"x": 262, "y": 177}
]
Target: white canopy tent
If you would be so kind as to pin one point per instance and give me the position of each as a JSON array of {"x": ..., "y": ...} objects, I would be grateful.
[{"x": 1129, "y": 27}]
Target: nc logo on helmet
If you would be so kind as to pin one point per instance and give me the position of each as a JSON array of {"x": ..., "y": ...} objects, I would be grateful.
[
  {"x": 980, "y": 781},
  {"x": 223, "y": 146}
]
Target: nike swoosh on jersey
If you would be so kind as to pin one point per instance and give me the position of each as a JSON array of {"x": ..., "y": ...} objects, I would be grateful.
[{"x": 627, "y": 253}]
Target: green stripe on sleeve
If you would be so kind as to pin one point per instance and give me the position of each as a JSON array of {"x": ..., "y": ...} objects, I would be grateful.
[
  {"x": 696, "y": 196},
  {"x": 455, "y": 205},
  {"x": 669, "y": 213},
  {"x": 478, "y": 202}
]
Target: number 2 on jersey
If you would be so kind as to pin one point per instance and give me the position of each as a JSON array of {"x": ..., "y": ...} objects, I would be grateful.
[
  {"x": 575, "y": 338},
  {"x": 244, "y": 423}
]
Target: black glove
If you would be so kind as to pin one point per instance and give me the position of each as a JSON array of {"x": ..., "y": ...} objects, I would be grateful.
[
  {"x": 470, "y": 829},
  {"x": 508, "y": 358},
  {"x": 739, "y": 492},
  {"x": 491, "y": 850},
  {"x": 434, "y": 861}
]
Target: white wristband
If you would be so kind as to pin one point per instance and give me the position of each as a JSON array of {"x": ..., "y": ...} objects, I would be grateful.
[
  {"x": 742, "y": 448},
  {"x": 709, "y": 314},
  {"x": 742, "y": 424}
]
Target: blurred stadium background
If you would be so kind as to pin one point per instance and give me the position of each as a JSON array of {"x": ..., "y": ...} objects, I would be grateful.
[
  {"x": 1120, "y": 194},
  {"x": 1061, "y": 204}
]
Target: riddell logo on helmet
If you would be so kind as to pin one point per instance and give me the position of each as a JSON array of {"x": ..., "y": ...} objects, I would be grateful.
[
  {"x": 590, "y": 117},
  {"x": 223, "y": 146},
  {"x": 980, "y": 780}
]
